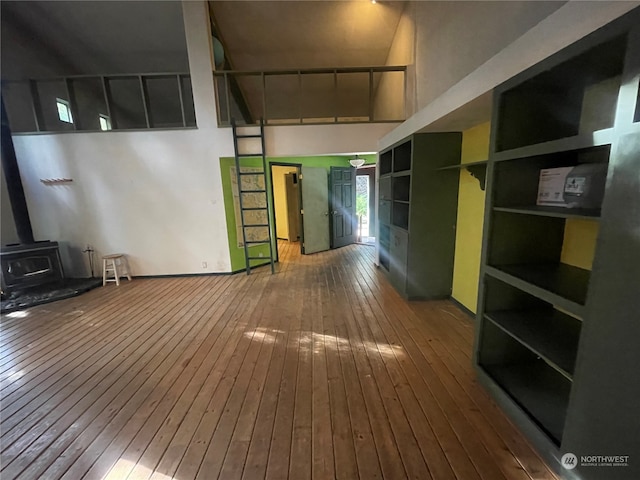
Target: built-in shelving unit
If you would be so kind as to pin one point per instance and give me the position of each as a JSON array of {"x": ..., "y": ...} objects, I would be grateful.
[
  {"x": 460, "y": 166},
  {"x": 533, "y": 305},
  {"x": 476, "y": 169},
  {"x": 417, "y": 213}
]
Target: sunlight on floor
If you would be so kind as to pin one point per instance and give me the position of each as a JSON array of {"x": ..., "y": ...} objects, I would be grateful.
[
  {"x": 123, "y": 468},
  {"x": 267, "y": 335},
  {"x": 319, "y": 341},
  {"x": 18, "y": 314},
  {"x": 13, "y": 375}
]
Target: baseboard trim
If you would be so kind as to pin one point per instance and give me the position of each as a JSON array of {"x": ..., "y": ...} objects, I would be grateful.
[
  {"x": 205, "y": 274},
  {"x": 463, "y": 308}
]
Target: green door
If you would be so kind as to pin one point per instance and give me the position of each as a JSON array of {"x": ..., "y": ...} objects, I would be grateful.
[
  {"x": 343, "y": 206},
  {"x": 315, "y": 210}
]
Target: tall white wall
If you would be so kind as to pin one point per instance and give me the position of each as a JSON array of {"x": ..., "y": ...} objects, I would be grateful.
[
  {"x": 296, "y": 140},
  {"x": 455, "y": 38},
  {"x": 465, "y": 49},
  {"x": 388, "y": 101},
  {"x": 154, "y": 195}
]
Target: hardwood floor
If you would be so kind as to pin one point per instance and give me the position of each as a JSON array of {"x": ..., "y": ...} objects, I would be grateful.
[{"x": 320, "y": 371}]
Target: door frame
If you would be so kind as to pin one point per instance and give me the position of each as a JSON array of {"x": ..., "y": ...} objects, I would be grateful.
[
  {"x": 298, "y": 167},
  {"x": 370, "y": 170}
]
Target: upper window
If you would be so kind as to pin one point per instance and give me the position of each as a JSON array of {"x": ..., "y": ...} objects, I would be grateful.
[
  {"x": 105, "y": 122},
  {"x": 64, "y": 110}
]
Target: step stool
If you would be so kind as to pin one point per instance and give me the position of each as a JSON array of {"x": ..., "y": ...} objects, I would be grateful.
[{"x": 110, "y": 264}]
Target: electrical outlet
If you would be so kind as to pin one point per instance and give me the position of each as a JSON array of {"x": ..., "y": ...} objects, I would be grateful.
[{"x": 204, "y": 264}]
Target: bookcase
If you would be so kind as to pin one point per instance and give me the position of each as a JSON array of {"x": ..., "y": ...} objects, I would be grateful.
[
  {"x": 557, "y": 344},
  {"x": 417, "y": 214}
]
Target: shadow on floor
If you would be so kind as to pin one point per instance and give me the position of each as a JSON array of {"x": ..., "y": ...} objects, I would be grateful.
[{"x": 69, "y": 287}]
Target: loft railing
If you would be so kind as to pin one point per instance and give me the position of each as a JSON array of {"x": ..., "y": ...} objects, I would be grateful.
[
  {"x": 311, "y": 96},
  {"x": 90, "y": 103}
]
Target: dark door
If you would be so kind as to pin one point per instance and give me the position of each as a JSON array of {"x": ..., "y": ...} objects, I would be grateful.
[{"x": 343, "y": 206}]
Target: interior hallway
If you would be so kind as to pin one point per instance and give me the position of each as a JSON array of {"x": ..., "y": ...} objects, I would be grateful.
[{"x": 319, "y": 371}]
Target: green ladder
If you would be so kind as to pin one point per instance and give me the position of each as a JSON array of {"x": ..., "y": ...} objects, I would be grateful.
[{"x": 252, "y": 196}]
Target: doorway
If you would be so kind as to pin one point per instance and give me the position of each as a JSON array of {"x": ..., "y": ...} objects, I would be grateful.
[
  {"x": 365, "y": 204},
  {"x": 285, "y": 185}
]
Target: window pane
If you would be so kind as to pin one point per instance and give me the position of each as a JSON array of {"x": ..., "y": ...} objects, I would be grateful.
[
  {"x": 64, "y": 112},
  {"x": 49, "y": 91}
]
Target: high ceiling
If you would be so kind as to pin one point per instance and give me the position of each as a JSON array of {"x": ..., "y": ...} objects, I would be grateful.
[
  {"x": 266, "y": 35},
  {"x": 92, "y": 37}
]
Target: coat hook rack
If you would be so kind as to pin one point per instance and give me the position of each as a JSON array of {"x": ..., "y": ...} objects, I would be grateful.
[{"x": 56, "y": 181}]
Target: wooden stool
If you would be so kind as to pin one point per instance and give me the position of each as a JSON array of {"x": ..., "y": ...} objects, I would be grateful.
[{"x": 110, "y": 264}]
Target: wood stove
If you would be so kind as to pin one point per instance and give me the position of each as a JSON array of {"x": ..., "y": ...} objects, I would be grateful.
[{"x": 31, "y": 265}]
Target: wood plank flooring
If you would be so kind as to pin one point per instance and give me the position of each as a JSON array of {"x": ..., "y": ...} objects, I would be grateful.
[{"x": 320, "y": 371}]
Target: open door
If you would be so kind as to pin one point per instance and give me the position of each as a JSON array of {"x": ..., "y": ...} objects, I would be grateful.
[
  {"x": 315, "y": 210},
  {"x": 343, "y": 206}
]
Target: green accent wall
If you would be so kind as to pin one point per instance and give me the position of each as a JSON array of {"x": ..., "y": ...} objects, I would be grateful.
[{"x": 237, "y": 253}]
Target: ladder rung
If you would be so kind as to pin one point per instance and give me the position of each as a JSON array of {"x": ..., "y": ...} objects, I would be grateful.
[
  {"x": 249, "y": 136},
  {"x": 240, "y": 155},
  {"x": 251, "y": 173},
  {"x": 260, "y": 258},
  {"x": 255, "y": 208},
  {"x": 257, "y": 225},
  {"x": 257, "y": 242},
  {"x": 253, "y": 191}
]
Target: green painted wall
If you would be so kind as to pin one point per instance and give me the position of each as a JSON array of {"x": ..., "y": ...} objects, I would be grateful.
[{"x": 237, "y": 253}]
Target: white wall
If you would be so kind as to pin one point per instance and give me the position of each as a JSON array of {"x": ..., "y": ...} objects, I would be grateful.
[
  {"x": 454, "y": 38},
  {"x": 154, "y": 195},
  {"x": 462, "y": 59},
  {"x": 387, "y": 101},
  {"x": 336, "y": 139}
]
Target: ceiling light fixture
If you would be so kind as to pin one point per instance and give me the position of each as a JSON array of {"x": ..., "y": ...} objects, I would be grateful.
[
  {"x": 356, "y": 162},
  {"x": 374, "y": 2}
]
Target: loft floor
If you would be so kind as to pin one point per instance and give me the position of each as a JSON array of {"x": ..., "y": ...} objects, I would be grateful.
[{"x": 321, "y": 371}]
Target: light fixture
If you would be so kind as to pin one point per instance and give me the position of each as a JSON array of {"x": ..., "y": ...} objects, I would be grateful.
[
  {"x": 374, "y": 2},
  {"x": 356, "y": 162}
]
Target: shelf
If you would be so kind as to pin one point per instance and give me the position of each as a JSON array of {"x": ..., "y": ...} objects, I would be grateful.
[
  {"x": 549, "y": 333},
  {"x": 402, "y": 157},
  {"x": 557, "y": 212},
  {"x": 577, "y": 142},
  {"x": 401, "y": 201},
  {"x": 463, "y": 165},
  {"x": 401, "y": 188},
  {"x": 539, "y": 390},
  {"x": 400, "y": 215},
  {"x": 404, "y": 173},
  {"x": 559, "y": 284},
  {"x": 385, "y": 162}
]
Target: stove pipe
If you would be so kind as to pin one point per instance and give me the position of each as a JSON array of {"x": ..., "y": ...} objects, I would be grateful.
[{"x": 14, "y": 183}]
